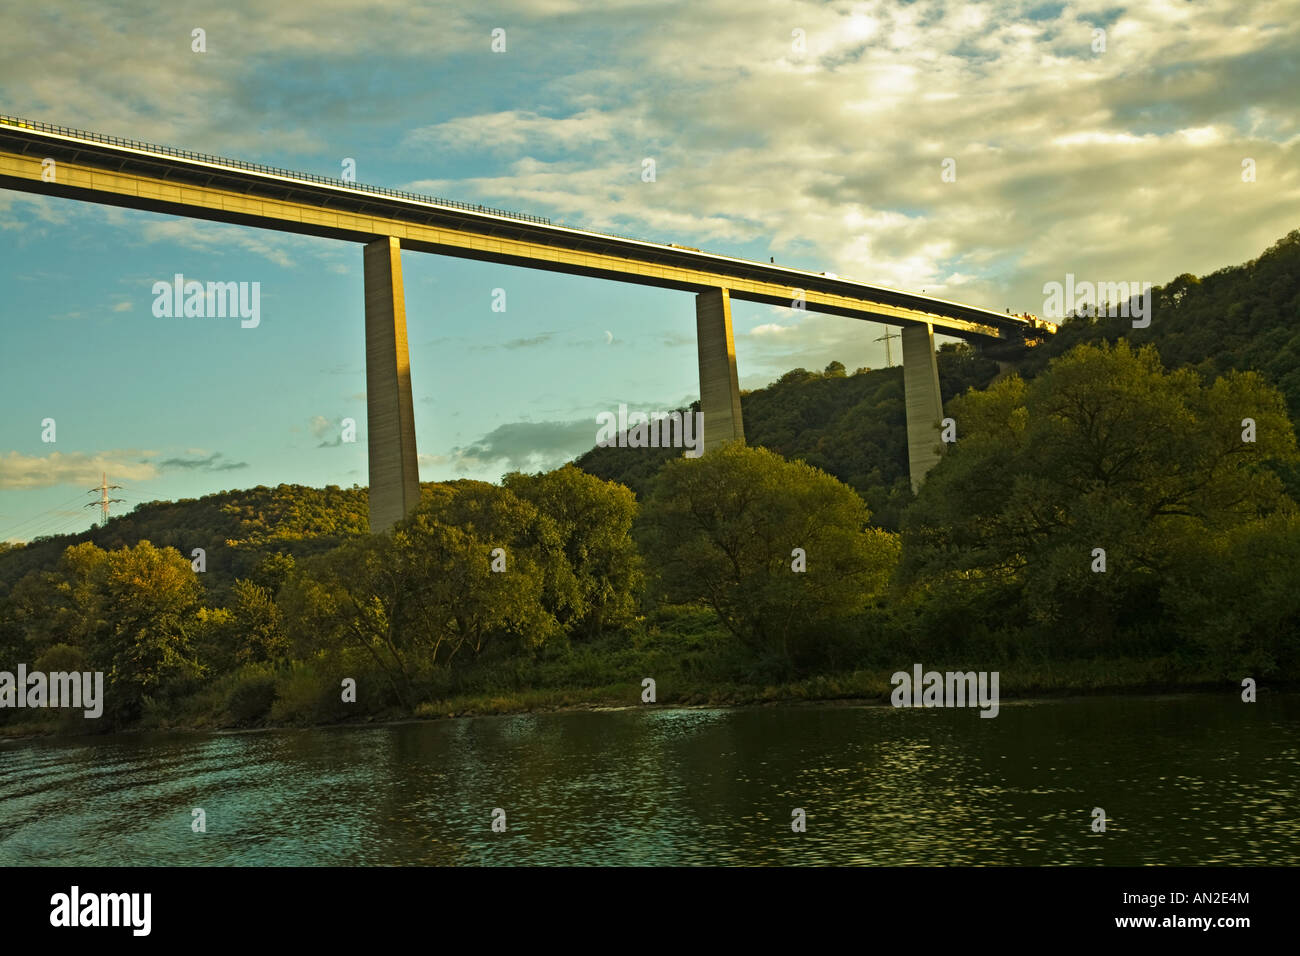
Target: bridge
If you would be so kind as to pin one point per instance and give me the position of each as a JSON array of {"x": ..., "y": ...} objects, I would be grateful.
[{"x": 121, "y": 172}]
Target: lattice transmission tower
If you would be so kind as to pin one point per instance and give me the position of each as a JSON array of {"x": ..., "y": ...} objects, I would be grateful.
[
  {"x": 104, "y": 500},
  {"x": 889, "y": 358}
]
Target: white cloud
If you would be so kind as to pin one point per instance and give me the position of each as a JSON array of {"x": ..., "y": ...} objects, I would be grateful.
[
  {"x": 74, "y": 468},
  {"x": 515, "y": 129}
]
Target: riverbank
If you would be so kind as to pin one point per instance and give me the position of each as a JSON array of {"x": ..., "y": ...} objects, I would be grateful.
[{"x": 865, "y": 686}]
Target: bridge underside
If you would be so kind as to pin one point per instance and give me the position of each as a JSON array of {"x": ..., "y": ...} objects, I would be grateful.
[
  {"x": 196, "y": 191},
  {"x": 394, "y": 481}
]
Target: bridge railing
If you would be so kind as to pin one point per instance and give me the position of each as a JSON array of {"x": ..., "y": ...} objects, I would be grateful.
[
  {"x": 260, "y": 168},
  {"x": 292, "y": 174}
]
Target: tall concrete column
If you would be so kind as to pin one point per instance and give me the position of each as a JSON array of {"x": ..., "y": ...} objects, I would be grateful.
[
  {"x": 394, "y": 474},
  {"x": 719, "y": 385},
  {"x": 922, "y": 399}
]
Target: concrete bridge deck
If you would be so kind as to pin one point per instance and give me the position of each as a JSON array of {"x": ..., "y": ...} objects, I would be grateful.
[{"x": 162, "y": 179}]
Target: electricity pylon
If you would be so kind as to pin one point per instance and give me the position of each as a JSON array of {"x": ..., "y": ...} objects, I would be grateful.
[
  {"x": 889, "y": 358},
  {"x": 104, "y": 500}
]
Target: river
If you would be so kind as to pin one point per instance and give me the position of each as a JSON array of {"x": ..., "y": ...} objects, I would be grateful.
[{"x": 1195, "y": 779}]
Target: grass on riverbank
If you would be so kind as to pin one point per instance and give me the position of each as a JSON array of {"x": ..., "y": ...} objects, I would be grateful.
[
  {"x": 690, "y": 660},
  {"x": 1015, "y": 681}
]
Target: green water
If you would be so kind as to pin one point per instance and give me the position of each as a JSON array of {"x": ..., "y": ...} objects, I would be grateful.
[{"x": 1183, "y": 780}]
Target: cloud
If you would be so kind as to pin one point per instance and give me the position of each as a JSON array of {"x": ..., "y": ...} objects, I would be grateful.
[
  {"x": 517, "y": 129},
  {"x": 320, "y": 426},
  {"x": 34, "y": 209},
  {"x": 121, "y": 465},
  {"x": 140, "y": 77},
  {"x": 1139, "y": 146},
  {"x": 75, "y": 468},
  {"x": 284, "y": 249},
  {"x": 521, "y": 446},
  {"x": 211, "y": 462},
  {"x": 549, "y": 338},
  {"x": 328, "y": 430},
  {"x": 528, "y": 343},
  {"x": 771, "y": 328}
]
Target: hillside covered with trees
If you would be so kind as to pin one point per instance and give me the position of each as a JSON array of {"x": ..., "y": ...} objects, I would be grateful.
[
  {"x": 236, "y": 529},
  {"x": 852, "y": 426}
]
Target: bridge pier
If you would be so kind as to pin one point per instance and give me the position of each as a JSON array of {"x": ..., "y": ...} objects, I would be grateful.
[
  {"x": 923, "y": 402},
  {"x": 394, "y": 471},
  {"x": 719, "y": 384}
]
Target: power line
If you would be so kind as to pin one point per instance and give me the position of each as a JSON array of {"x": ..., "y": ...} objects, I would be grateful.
[
  {"x": 54, "y": 521},
  {"x": 58, "y": 526},
  {"x": 69, "y": 526},
  {"x": 71, "y": 520},
  {"x": 36, "y": 519}
]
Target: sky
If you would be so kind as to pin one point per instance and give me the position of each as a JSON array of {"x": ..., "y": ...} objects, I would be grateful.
[{"x": 1093, "y": 139}]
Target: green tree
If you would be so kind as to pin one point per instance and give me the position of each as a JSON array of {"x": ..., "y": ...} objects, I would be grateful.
[
  {"x": 249, "y": 630},
  {"x": 593, "y": 519},
  {"x": 723, "y": 529},
  {"x": 258, "y": 624},
  {"x": 1238, "y": 598},
  {"x": 353, "y": 596},
  {"x": 150, "y": 597},
  {"x": 62, "y": 605},
  {"x": 1104, "y": 450},
  {"x": 427, "y": 592},
  {"x": 448, "y": 547},
  {"x": 130, "y": 612}
]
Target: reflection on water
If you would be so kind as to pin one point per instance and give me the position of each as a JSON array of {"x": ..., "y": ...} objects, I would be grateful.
[{"x": 1183, "y": 780}]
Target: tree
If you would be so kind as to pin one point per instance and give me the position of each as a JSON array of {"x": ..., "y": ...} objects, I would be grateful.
[
  {"x": 150, "y": 597},
  {"x": 428, "y": 592},
  {"x": 1238, "y": 598},
  {"x": 62, "y": 605},
  {"x": 447, "y": 550},
  {"x": 131, "y": 612},
  {"x": 723, "y": 529},
  {"x": 354, "y": 595},
  {"x": 1104, "y": 450},
  {"x": 594, "y": 523},
  {"x": 258, "y": 624}
]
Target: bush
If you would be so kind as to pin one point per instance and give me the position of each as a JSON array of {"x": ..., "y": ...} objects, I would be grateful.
[
  {"x": 253, "y": 695},
  {"x": 311, "y": 692}
]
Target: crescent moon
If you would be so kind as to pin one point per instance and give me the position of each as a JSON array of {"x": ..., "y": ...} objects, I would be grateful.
[{"x": 609, "y": 338}]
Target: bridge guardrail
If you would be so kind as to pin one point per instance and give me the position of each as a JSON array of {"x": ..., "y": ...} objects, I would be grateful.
[
  {"x": 294, "y": 174},
  {"x": 260, "y": 168}
]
